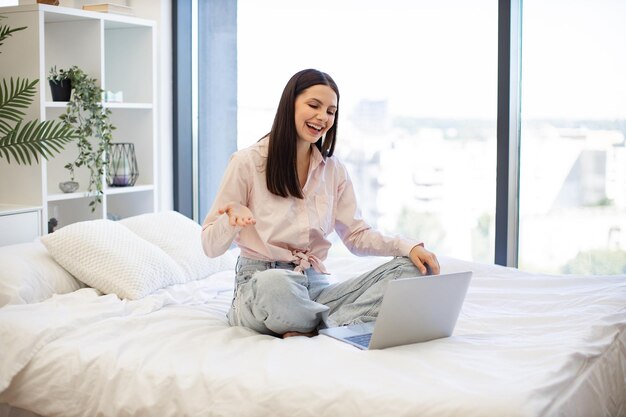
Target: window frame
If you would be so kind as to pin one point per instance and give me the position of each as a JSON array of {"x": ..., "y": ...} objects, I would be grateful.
[{"x": 194, "y": 147}]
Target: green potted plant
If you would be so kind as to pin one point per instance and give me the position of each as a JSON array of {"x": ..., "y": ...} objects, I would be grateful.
[
  {"x": 60, "y": 84},
  {"x": 25, "y": 141},
  {"x": 90, "y": 120}
]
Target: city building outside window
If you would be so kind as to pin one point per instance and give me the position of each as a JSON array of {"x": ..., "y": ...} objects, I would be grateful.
[{"x": 573, "y": 154}]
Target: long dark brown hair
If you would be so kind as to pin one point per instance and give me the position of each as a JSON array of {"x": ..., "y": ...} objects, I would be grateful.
[{"x": 281, "y": 172}]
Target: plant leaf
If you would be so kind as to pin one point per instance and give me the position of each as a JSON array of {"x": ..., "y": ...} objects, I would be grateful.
[
  {"x": 27, "y": 142},
  {"x": 19, "y": 94},
  {"x": 6, "y": 31}
]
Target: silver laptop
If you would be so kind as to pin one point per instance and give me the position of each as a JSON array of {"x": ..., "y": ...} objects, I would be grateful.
[{"x": 413, "y": 310}]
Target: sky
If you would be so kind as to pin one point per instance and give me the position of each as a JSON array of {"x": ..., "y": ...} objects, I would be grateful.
[
  {"x": 574, "y": 59},
  {"x": 437, "y": 59},
  {"x": 417, "y": 59}
]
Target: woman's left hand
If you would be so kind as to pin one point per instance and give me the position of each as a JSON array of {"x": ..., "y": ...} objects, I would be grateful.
[{"x": 424, "y": 260}]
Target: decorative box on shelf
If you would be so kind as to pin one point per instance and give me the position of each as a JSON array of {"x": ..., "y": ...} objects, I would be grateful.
[{"x": 109, "y": 8}]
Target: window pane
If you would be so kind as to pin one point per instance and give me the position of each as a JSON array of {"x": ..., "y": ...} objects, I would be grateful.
[
  {"x": 417, "y": 125},
  {"x": 573, "y": 159}
]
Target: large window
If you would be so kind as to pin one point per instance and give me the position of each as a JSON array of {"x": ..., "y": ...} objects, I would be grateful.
[
  {"x": 573, "y": 154},
  {"x": 417, "y": 125}
]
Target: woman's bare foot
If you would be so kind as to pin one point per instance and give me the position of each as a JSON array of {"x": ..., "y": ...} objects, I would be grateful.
[{"x": 291, "y": 334}]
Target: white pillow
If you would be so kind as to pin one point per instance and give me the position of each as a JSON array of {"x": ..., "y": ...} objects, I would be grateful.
[
  {"x": 107, "y": 256},
  {"x": 179, "y": 237},
  {"x": 28, "y": 274}
]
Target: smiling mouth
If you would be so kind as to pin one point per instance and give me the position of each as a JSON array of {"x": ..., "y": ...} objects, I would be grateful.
[{"x": 315, "y": 127}]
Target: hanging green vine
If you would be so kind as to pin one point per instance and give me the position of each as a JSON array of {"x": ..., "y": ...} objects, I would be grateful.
[{"x": 90, "y": 120}]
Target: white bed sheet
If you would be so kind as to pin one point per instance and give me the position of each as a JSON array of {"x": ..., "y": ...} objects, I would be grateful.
[{"x": 525, "y": 345}]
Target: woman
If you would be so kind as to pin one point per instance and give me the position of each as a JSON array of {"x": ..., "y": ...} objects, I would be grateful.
[{"x": 278, "y": 201}]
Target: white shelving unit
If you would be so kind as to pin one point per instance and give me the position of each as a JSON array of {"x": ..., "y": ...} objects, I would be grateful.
[
  {"x": 120, "y": 52},
  {"x": 19, "y": 224}
]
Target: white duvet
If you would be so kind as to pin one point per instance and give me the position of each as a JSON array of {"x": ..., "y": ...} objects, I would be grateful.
[{"x": 524, "y": 345}]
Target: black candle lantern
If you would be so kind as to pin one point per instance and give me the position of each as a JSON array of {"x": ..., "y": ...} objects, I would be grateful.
[{"x": 122, "y": 170}]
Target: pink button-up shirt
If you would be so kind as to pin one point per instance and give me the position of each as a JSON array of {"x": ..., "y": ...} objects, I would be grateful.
[{"x": 292, "y": 229}]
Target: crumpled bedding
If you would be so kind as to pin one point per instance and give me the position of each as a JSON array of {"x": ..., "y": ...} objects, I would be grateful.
[{"x": 524, "y": 345}]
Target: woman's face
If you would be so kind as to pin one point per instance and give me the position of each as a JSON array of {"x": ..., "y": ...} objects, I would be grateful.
[{"x": 315, "y": 112}]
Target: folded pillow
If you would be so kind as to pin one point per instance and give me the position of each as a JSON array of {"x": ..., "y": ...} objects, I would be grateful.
[
  {"x": 179, "y": 237},
  {"x": 30, "y": 275},
  {"x": 109, "y": 257}
]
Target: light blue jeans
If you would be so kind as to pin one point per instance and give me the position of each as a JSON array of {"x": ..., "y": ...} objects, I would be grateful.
[{"x": 271, "y": 298}]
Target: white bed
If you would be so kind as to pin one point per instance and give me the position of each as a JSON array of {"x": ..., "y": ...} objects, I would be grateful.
[{"x": 524, "y": 345}]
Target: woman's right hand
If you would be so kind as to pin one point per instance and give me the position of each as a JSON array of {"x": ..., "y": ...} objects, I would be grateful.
[{"x": 238, "y": 215}]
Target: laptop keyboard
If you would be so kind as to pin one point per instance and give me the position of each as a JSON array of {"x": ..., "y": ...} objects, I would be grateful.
[{"x": 360, "y": 339}]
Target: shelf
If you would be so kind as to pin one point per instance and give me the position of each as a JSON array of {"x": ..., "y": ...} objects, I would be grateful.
[
  {"x": 110, "y": 105},
  {"x": 69, "y": 196},
  {"x": 63, "y": 104},
  {"x": 6, "y": 209},
  {"x": 107, "y": 191},
  {"x": 120, "y": 52},
  {"x": 58, "y": 14},
  {"x": 56, "y": 104},
  {"x": 125, "y": 190}
]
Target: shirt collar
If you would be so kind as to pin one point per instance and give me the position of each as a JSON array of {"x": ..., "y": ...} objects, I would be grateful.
[{"x": 317, "y": 157}]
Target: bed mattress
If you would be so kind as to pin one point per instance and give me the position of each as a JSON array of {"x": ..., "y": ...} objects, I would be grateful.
[{"x": 524, "y": 345}]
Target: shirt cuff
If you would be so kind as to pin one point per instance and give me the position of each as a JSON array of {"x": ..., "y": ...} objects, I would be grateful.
[
  {"x": 223, "y": 225},
  {"x": 406, "y": 246},
  {"x": 217, "y": 239}
]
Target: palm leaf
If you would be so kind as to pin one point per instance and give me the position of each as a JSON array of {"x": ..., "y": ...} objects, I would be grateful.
[
  {"x": 27, "y": 142},
  {"x": 16, "y": 95},
  {"x": 6, "y": 31}
]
